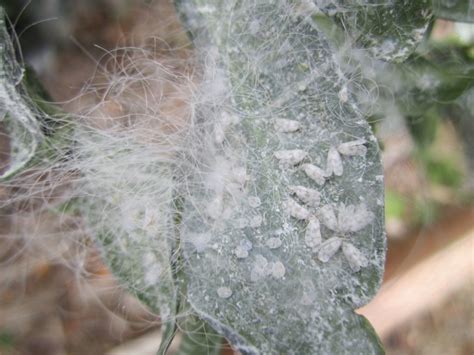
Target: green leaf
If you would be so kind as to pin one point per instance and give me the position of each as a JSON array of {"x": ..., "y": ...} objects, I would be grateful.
[
  {"x": 17, "y": 112},
  {"x": 274, "y": 100},
  {"x": 389, "y": 30},
  {"x": 454, "y": 10}
]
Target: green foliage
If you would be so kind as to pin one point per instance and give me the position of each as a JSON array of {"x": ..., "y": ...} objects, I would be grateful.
[
  {"x": 443, "y": 171},
  {"x": 395, "y": 205},
  {"x": 6, "y": 341}
]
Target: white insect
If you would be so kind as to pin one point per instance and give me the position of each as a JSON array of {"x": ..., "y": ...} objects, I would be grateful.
[
  {"x": 312, "y": 237},
  {"x": 224, "y": 292},
  {"x": 355, "y": 147},
  {"x": 314, "y": 173},
  {"x": 274, "y": 243},
  {"x": 329, "y": 248},
  {"x": 295, "y": 210},
  {"x": 290, "y": 157},
  {"x": 242, "y": 250},
  {"x": 354, "y": 256},
  {"x": 306, "y": 195},
  {"x": 278, "y": 270},
  {"x": 334, "y": 163},
  {"x": 286, "y": 126},
  {"x": 349, "y": 219}
]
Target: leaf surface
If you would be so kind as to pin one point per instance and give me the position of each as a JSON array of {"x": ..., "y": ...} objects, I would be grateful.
[{"x": 251, "y": 274}]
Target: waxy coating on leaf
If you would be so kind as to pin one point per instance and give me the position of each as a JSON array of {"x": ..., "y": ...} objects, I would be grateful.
[{"x": 297, "y": 110}]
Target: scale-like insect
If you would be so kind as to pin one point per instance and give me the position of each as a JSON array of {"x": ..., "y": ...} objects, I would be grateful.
[
  {"x": 315, "y": 173},
  {"x": 273, "y": 243},
  {"x": 349, "y": 219},
  {"x": 306, "y": 195},
  {"x": 334, "y": 163},
  {"x": 286, "y": 126},
  {"x": 224, "y": 292},
  {"x": 290, "y": 157},
  {"x": 295, "y": 210},
  {"x": 312, "y": 237}
]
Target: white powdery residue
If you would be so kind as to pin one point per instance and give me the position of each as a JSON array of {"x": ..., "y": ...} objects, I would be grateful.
[
  {"x": 290, "y": 157},
  {"x": 343, "y": 95},
  {"x": 306, "y": 8},
  {"x": 286, "y": 126},
  {"x": 260, "y": 268},
  {"x": 224, "y": 292},
  {"x": 309, "y": 293},
  {"x": 256, "y": 221},
  {"x": 239, "y": 175},
  {"x": 242, "y": 250},
  {"x": 152, "y": 269},
  {"x": 215, "y": 206},
  {"x": 254, "y": 201},
  {"x": 328, "y": 217},
  {"x": 222, "y": 126},
  {"x": 355, "y": 147},
  {"x": 334, "y": 163},
  {"x": 306, "y": 195},
  {"x": 314, "y": 173},
  {"x": 278, "y": 270},
  {"x": 274, "y": 243},
  {"x": 295, "y": 210},
  {"x": 352, "y": 218},
  {"x": 200, "y": 241},
  {"x": 241, "y": 223},
  {"x": 312, "y": 236},
  {"x": 354, "y": 256},
  {"x": 329, "y": 248}
]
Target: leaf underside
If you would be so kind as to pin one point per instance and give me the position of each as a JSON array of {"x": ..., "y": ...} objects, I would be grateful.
[{"x": 269, "y": 62}]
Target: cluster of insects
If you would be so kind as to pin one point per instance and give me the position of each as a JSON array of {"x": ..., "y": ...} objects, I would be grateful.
[
  {"x": 303, "y": 201},
  {"x": 348, "y": 219}
]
